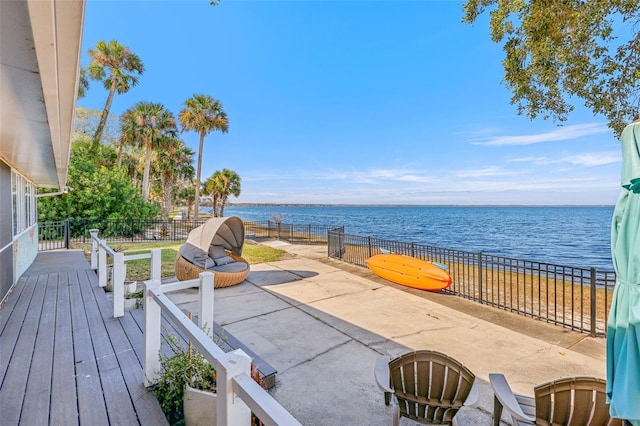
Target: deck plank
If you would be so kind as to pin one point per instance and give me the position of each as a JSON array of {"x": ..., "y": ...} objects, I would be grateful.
[
  {"x": 13, "y": 323},
  {"x": 92, "y": 408},
  {"x": 64, "y": 408},
  {"x": 10, "y": 303},
  {"x": 35, "y": 409},
  {"x": 18, "y": 369},
  {"x": 116, "y": 395}
]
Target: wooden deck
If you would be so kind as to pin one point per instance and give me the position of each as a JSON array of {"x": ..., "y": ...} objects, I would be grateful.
[{"x": 63, "y": 359}]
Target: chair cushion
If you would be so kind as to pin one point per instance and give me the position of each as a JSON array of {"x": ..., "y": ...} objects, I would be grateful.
[
  {"x": 230, "y": 267},
  {"x": 220, "y": 261},
  {"x": 216, "y": 252},
  {"x": 194, "y": 254}
]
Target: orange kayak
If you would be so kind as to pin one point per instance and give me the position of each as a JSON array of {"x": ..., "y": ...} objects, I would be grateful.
[{"x": 409, "y": 271}]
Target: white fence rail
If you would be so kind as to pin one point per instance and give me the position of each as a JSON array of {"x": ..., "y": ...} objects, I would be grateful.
[
  {"x": 238, "y": 394},
  {"x": 99, "y": 252}
]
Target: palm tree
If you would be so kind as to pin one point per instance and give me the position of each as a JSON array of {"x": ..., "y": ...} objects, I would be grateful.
[
  {"x": 148, "y": 123},
  {"x": 202, "y": 114},
  {"x": 174, "y": 162},
  {"x": 221, "y": 185},
  {"x": 114, "y": 65}
]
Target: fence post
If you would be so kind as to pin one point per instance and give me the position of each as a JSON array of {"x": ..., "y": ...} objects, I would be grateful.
[
  {"x": 94, "y": 248},
  {"x": 205, "y": 299},
  {"x": 156, "y": 264},
  {"x": 480, "y": 298},
  {"x": 117, "y": 282},
  {"x": 66, "y": 234},
  {"x": 152, "y": 322},
  {"x": 593, "y": 302},
  {"x": 413, "y": 250},
  {"x": 102, "y": 265},
  {"x": 232, "y": 410},
  {"x": 369, "y": 244}
]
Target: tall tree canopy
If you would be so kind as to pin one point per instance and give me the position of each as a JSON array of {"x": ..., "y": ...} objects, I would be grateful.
[
  {"x": 220, "y": 185},
  {"x": 118, "y": 68},
  {"x": 202, "y": 114},
  {"x": 560, "y": 50},
  {"x": 173, "y": 164},
  {"x": 148, "y": 123}
]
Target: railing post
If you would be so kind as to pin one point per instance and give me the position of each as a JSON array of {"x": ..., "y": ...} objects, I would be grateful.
[
  {"x": 480, "y": 297},
  {"x": 94, "y": 248},
  {"x": 593, "y": 302},
  {"x": 117, "y": 282},
  {"x": 66, "y": 234},
  {"x": 102, "y": 265},
  {"x": 369, "y": 244},
  {"x": 205, "y": 298},
  {"x": 156, "y": 264},
  {"x": 152, "y": 322},
  {"x": 232, "y": 410}
]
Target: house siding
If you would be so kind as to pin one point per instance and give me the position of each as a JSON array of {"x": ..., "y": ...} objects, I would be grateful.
[{"x": 6, "y": 231}]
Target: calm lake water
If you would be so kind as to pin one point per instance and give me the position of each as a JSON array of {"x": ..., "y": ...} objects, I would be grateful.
[{"x": 572, "y": 236}]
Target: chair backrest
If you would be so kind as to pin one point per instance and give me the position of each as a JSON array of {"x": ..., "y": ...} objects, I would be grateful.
[
  {"x": 430, "y": 386},
  {"x": 573, "y": 401}
]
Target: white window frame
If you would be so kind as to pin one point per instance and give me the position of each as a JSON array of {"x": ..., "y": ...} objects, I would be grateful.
[{"x": 23, "y": 197}]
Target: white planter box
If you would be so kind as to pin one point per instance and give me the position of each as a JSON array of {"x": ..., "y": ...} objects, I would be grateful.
[
  {"x": 130, "y": 304},
  {"x": 199, "y": 407}
]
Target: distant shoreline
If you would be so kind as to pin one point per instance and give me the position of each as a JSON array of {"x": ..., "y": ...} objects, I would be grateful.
[{"x": 409, "y": 205}]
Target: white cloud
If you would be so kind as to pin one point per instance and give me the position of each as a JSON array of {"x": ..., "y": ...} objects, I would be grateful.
[
  {"x": 589, "y": 159},
  {"x": 593, "y": 159},
  {"x": 560, "y": 134},
  {"x": 486, "y": 172}
]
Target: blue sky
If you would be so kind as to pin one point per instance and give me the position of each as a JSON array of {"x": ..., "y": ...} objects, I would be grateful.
[{"x": 355, "y": 102}]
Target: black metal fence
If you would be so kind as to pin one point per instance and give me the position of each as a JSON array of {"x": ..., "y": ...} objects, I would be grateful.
[
  {"x": 59, "y": 235},
  {"x": 576, "y": 298},
  {"x": 295, "y": 234}
]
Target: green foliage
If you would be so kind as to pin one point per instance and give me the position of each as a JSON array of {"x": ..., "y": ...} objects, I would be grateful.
[
  {"x": 118, "y": 68},
  {"x": 147, "y": 124},
  {"x": 175, "y": 372},
  {"x": 99, "y": 191},
  {"x": 557, "y": 51},
  {"x": 220, "y": 185}
]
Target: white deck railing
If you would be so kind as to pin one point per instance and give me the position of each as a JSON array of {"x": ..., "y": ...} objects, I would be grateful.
[
  {"x": 99, "y": 252},
  {"x": 238, "y": 394}
]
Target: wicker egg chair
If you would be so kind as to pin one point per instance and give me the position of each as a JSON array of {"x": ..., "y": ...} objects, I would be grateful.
[{"x": 227, "y": 232}]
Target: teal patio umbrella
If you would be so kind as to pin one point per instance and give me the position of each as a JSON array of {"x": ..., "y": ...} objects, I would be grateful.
[{"x": 623, "y": 327}]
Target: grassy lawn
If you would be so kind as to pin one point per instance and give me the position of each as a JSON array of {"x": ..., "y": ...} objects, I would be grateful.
[{"x": 138, "y": 270}]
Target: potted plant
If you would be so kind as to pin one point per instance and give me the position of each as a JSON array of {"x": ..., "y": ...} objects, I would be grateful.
[
  {"x": 187, "y": 385},
  {"x": 133, "y": 298},
  {"x": 186, "y": 389}
]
